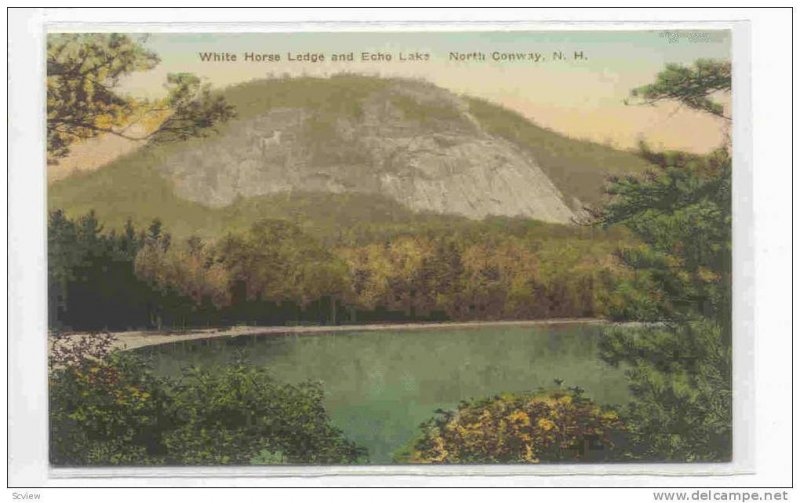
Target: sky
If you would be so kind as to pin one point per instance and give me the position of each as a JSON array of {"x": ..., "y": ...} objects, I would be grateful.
[{"x": 582, "y": 97}]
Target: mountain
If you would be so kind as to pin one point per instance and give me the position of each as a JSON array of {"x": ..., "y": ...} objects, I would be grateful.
[{"x": 366, "y": 147}]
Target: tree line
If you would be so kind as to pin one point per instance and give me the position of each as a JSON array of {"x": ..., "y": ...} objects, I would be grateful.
[{"x": 275, "y": 273}]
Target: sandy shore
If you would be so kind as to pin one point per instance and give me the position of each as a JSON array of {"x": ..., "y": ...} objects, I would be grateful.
[{"x": 140, "y": 339}]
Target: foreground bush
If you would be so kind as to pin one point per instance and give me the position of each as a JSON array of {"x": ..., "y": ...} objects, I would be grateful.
[
  {"x": 110, "y": 409},
  {"x": 679, "y": 377},
  {"x": 240, "y": 415},
  {"x": 546, "y": 426}
]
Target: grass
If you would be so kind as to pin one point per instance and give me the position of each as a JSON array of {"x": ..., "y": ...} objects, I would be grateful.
[
  {"x": 339, "y": 95},
  {"x": 425, "y": 113}
]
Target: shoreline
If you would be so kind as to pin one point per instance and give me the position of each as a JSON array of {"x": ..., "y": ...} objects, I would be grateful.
[{"x": 126, "y": 341}]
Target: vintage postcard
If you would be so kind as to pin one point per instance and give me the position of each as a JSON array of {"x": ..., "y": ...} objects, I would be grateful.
[{"x": 364, "y": 248}]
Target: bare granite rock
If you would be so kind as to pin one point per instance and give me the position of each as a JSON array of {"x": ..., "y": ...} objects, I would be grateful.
[{"x": 416, "y": 144}]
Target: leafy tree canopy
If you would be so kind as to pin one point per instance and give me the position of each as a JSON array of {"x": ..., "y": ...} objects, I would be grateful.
[
  {"x": 681, "y": 215},
  {"x": 679, "y": 369},
  {"x": 693, "y": 86},
  {"x": 83, "y": 97}
]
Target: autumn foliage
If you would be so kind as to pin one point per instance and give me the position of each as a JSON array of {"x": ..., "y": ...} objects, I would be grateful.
[
  {"x": 546, "y": 426},
  {"x": 276, "y": 273}
]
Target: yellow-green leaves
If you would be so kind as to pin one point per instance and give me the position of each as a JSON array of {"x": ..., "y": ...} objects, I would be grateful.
[
  {"x": 83, "y": 98},
  {"x": 546, "y": 426}
]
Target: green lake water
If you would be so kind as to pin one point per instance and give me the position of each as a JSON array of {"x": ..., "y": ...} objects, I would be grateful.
[{"x": 380, "y": 386}]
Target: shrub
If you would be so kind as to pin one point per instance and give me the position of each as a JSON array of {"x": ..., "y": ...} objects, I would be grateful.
[
  {"x": 232, "y": 415},
  {"x": 545, "y": 426},
  {"x": 108, "y": 408},
  {"x": 107, "y": 411}
]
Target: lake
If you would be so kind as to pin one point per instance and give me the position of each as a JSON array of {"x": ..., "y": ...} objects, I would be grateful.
[{"x": 380, "y": 385}]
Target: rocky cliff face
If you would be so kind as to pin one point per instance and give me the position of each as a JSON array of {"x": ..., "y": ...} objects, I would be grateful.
[{"x": 413, "y": 142}]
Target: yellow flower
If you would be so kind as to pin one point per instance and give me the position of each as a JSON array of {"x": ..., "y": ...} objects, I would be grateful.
[
  {"x": 610, "y": 415},
  {"x": 520, "y": 416},
  {"x": 440, "y": 447},
  {"x": 529, "y": 457},
  {"x": 546, "y": 424}
]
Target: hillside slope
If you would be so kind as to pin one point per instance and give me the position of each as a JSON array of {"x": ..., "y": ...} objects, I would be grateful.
[{"x": 398, "y": 146}]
